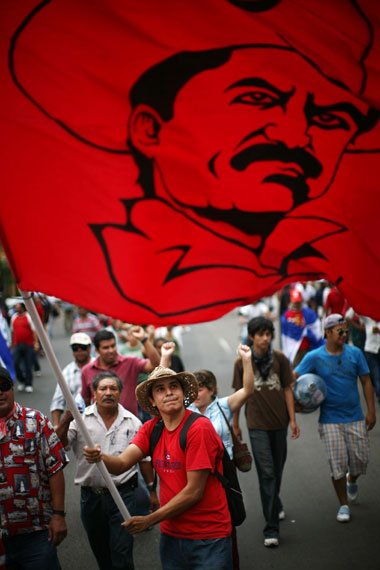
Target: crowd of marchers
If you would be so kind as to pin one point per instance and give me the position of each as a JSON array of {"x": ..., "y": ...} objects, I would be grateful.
[{"x": 158, "y": 426}]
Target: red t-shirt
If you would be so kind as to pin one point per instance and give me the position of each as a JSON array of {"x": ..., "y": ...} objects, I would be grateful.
[
  {"x": 210, "y": 518},
  {"x": 127, "y": 368},
  {"x": 22, "y": 327}
]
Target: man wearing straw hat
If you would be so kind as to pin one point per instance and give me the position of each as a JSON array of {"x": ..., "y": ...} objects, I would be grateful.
[{"x": 194, "y": 515}]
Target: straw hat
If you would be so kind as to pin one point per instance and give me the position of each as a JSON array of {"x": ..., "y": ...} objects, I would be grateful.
[{"x": 144, "y": 390}]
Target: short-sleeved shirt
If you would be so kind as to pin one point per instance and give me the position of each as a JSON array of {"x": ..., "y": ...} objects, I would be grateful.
[
  {"x": 210, "y": 517},
  {"x": 127, "y": 368},
  {"x": 266, "y": 408},
  {"x": 30, "y": 454},
  {"x": 113, "y": 441},
  {"x": 340, "y": 373},
  {"x": 215, "y": 416},
  {"x": 22, "y": 329},
  {"x": 73, "y": 376}
]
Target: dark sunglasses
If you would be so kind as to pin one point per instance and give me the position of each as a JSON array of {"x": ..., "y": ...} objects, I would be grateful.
[
  {"x": 341, "y": 332},
  {"x": 6, "y": 386},
  {"x": 77, "y": 347}
]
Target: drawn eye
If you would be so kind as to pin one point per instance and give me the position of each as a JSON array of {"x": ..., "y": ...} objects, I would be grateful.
[
  {"x": 260, "y": 98},
  {"x": 330, "y": 121}
]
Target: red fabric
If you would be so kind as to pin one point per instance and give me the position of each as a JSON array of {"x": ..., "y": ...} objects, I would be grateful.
[
  {"x": 336, "y": 303},
  {"x": 210, "y": 518},
  {"x": 127, "y": 368},
  {"x": 21, "y": 330},
  {"x": 174, "y": 161}
]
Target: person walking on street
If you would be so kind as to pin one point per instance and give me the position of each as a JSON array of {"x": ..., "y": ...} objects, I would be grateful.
[
  {"x": 342, "y": 426},
  {"x": 268, "y": 412},
  {"x": 194, "y": 515},
  {"x": 32, "y": 521},
  {"x": 24, "y": 342},
  {"x": 113, "y": 427},
  {"x": 80, "y": 344},
  {"x": 126, "y": 367}
]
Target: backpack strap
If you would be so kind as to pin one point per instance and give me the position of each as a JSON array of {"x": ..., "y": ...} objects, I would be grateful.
[
  {"x": 185, "y": 428},
  {"x": 153, "y": 440}
]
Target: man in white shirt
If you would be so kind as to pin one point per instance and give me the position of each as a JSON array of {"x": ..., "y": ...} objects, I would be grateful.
[
  {"x": 113, "y": 427},
  {"x": 80, "y": 344}
]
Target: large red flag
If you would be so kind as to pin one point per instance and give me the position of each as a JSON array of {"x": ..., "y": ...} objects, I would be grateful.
[{"x": 167, "y": 161}]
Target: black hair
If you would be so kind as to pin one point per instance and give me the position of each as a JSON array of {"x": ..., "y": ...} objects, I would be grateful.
[
  {"x": 103, "y": 335},
  {"x": 159, "y": 85},
  {"x": 260, "y": 324},
  {"x": 102, "y": 375}
]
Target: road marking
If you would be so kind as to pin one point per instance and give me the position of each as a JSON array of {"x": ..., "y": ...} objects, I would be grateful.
[{"x": 224, "y": 344}]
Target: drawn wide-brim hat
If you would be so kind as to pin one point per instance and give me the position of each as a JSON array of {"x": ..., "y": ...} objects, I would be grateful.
[
  {"x": 77, "y": 60},
  {"x": 144, "y": 390}
]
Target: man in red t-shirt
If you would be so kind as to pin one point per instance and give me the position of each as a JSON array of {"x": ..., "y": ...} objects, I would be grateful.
[
  {"x": 24, "y": 342},
  {"x": 194, "y": 516}
]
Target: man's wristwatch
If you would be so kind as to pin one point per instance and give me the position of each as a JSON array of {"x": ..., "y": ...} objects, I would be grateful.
[
  {"x": 143, "y": 341},
  {"x": 60, "y": 513}
]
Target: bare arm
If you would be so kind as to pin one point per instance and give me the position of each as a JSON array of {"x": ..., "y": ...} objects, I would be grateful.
[
  {"x": 236, "y": 400},
  {"x": 147, "y": 472},
  {"x": 115, "y": 464},
  {"x": 56, "y": 416},
  {"x": 63, "y": 427},
  {"x": 150, "y": 352},
  {"x": 191, "y": 494},
  {"x": 167, "y": 351},
  {"x": 57, "y": 524},
  {"x": 370, "y": 419},
  {"x": 289, "y": 399}
]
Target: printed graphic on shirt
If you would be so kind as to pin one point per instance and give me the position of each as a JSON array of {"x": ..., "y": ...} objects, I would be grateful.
[{"x": 272, "y": 382}]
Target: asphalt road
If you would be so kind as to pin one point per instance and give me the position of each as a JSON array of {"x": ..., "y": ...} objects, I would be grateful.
[{"x": 311, "y": 538}]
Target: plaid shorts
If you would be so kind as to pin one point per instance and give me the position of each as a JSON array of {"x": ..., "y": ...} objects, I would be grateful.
[{"x": 347, "y": 447}]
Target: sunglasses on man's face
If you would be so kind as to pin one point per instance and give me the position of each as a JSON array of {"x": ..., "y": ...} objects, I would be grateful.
[
  {"x": 341, "y": 332},
  {"x": 6, "y": 386},
  {"x": 77, "y": 347}
]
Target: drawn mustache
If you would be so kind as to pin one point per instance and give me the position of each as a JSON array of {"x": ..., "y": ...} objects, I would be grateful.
[{"x": 311, "y": 167}]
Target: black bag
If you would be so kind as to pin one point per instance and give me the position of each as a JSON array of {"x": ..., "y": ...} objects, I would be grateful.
[{"x": 229, "y": 478}]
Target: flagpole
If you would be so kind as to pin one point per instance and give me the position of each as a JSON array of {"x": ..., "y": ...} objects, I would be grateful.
[{"x": 50, "y": 355}]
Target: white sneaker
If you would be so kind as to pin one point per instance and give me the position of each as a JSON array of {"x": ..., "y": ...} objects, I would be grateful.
[
  {"x": 282, "y": 515},
  {"x": 352, "y": 491},
  {"x": 343, "y": 514},
  {"x": 271, "y": 542},
  {"x": 21, "y": 387},
  {"x": 29, "y": 389}
]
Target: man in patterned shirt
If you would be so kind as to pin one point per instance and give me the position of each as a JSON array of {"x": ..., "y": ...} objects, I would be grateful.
[
  {"x": 80, "y": 344},
  {"x": 32, "y": 485}
]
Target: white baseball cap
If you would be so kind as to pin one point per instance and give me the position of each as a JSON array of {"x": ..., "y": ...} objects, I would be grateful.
[{"x": 80, "y": 338}]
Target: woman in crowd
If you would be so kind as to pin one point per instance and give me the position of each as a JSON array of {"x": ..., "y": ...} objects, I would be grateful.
[{"x": 208, "y": 403}]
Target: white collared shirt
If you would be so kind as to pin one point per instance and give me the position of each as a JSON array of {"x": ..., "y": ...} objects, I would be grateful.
[{"x": 112, "y": 442}]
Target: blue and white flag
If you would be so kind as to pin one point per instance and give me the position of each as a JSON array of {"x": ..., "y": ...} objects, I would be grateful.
[{"x": 297, "y": 325}]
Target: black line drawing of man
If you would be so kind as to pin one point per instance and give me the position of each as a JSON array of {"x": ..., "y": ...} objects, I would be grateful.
[{"x": 257, "y": 144}]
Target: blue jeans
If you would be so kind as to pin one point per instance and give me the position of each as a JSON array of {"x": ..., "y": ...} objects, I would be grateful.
[
  {"x": 374, "y": 370},
  {"x": 269, "y": 451},
  {"x": 187, "y": 554},
  {"x": 23, "y": 361},
  {"x": 30, "y": 551},
  {"x": 111, "y": 544}
]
